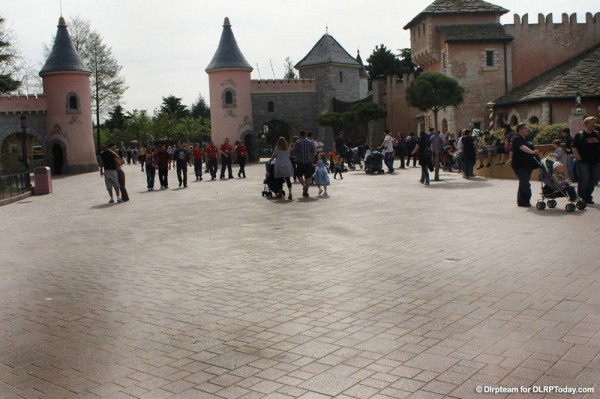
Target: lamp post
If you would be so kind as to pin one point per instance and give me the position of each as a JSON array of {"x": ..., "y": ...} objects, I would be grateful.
[
  {"x": 578, "y": 99},
  {"x": 24, "y": 141}
]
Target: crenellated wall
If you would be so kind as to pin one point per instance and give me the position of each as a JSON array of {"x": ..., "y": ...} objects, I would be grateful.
[
  {"x": 23, "y": 103},
  {"x": 283, "y": 86},
  {"x": 539, "y": 47}
]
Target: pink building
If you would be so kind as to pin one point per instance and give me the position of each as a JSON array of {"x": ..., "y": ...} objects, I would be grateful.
[{"x": 60, "y": 118}]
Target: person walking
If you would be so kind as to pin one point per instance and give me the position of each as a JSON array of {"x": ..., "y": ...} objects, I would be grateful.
[
  {"x": 410, "y": 143},
  {"x": 212, "y": 153},
  {"x": 109, "y": 161},
  {"x": 241, "y": 155},
  {"x": 283, "y": 165},
  {"x": 424, "y": 153},
  {"x": 322, "y": 178},
  {"x": 181, "y": 156},
  {"x": 151, "y": 165},
  {"x": 225, "y": 152},
  {"x": 305, "y": 167},
  {"x": 164, "y": 165},
  {"x": 197, "y": 160},
  {"x": 388, "y": 151},
  {"x": 522, "y": 163},
  {"x": 469, "y": 153},
  {"x": 586, "y": 149}
]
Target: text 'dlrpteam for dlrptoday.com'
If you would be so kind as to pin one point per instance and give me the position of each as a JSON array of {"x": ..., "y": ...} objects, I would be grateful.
[{"x": 535, "y": 389}]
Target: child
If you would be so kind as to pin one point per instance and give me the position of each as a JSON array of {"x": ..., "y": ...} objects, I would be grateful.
[
  {"x": 337, "y": 168},
  {"x": 559, "y": 154},
  {"x": 321, "y": 177},
  {"x": 332, "y": 157},
  {"x": 559, "y": 173}
]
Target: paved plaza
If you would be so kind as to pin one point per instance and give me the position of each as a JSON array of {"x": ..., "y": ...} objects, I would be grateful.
[{"x": 385, "y": 289}]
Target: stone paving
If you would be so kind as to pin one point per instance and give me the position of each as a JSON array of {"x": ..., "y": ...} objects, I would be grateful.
[{"x": 386, "y": 289}]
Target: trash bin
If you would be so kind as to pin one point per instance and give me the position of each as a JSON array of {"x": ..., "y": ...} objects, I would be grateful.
[{"x": 43, "y": 180}]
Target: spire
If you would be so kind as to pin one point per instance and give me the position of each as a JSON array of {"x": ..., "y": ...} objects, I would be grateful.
[
  {"x": 63, "y": 57},
  {"x": 228, "y": 54},
  {"x": 363, "y": 71}
]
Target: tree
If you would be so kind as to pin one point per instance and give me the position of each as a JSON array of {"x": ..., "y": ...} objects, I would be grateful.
[
  {"x": 432, "y": 91},
  {"x": 116, "y": 119},
  {"x": 288, "y": 66},
  {"x": 200, "y": 109},
  {"x": 8, "y": 56},
  {"x": 108, "y": 85},
  {"x": 406, "y": 65},
  {"x": 173, "y": 107},
  {"x": 138, "y": 125},
  {"x": 382, "y": 63},
  {"x": 361, "y": 113}
]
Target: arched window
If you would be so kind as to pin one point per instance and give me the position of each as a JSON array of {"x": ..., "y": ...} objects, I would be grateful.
[
  {"x": 270, "y": 106},
  {"x": 534, "y": 120},
  {"x": 229, "y": 98},
  {"x": 514, "y": 121},
  {"x": 73, "y": 103},
  {"x": 341, "y": 77}
]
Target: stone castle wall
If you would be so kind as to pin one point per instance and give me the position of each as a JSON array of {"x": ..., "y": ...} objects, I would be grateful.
[{"x": 542, "y": 46}]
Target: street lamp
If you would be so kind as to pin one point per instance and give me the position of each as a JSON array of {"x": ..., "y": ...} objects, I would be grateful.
[
  {"x": 24, "y": 140},
  {"x": 578, "y": 99}
]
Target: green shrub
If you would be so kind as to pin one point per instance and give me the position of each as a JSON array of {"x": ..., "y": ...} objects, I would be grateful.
[
  {"x": 549, "y": 133},
  {"x": 534, "y": 130}
]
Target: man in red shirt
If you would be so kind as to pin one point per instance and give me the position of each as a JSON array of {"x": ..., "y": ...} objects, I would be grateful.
[
  {"x": 197, "y": 159},
  {"x": 225, "y": 152},
  {"x": 241, "y": 154},
  {"x": 164, "y": 164},
  {"x": 211, "y": 152}
]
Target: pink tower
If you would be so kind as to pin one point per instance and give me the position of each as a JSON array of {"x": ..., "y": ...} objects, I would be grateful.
[
  {"x": 229, "y": 82},
  {"x": 66, "y": 80}
]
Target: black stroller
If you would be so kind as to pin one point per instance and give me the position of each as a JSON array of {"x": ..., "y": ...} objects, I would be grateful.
[
  {"x": 552, "y": 190},
  {"x": 374, "y": 163},
  {"x": 273, "y": 186}
]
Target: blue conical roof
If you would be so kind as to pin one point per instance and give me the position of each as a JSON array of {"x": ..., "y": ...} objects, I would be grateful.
[
  {"x": 228, "y": 54},
  {"x": 63, "y": 57}
]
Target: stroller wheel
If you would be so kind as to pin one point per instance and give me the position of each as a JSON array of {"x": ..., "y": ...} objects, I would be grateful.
[
  {"x": 540, "y": 205},
  {"x": 581, "y": 205},
  {"x": 551, "y": 203},
  {"x": 570, "y": 207}
]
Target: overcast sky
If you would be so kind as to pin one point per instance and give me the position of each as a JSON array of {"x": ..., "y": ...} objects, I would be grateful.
[{"x": 164, "y": 46}]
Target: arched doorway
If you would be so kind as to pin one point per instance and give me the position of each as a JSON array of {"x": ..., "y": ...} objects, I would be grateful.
[
  {"x": 58, "y": 159},
  {"x": 271, "y": 131}
]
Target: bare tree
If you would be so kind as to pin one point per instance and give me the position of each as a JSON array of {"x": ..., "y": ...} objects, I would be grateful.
[{"x": 290, "y": 74}]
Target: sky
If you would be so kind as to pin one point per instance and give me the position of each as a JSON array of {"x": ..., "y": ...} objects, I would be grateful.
[{"x": 165, "y": 46}]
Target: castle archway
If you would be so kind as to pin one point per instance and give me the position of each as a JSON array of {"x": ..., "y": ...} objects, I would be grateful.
[
  {"x": 57, "y": 156},
  {"x": 276, "y": 129}
]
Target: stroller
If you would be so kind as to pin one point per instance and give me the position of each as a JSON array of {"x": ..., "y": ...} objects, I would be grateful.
[
  {"x": 272, "y": 184},
  {"x": 374, "y": 163},
  {"x": 551, "y": 189}
]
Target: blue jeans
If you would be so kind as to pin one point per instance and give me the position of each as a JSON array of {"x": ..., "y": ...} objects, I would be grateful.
[
  {"x": 588, "y": 177},
  {"x": 150, "y": 173},
  {"x": 524, "y": 191},
  {"x": 388, "y": 158}
]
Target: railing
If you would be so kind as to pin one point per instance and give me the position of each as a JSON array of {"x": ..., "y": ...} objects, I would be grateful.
[{"x": 13, "y": 185}]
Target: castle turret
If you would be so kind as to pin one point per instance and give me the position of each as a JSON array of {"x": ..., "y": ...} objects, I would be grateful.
[
  {"x": 66, "y": 82},
  {"x": 230, "y": 88},
  {"x": 363, "y": 77}
]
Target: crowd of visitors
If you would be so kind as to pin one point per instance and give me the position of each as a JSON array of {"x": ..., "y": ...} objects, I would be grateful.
[{"x": 305, "y": 160}]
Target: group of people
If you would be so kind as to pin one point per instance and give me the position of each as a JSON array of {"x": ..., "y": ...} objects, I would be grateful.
[
  {"x": 304, "y": 159},
  {"x": 301, "y": 161},
  {"x": 160, "y": 160}
]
